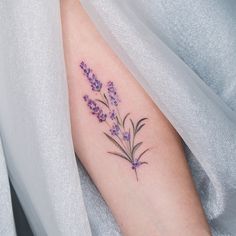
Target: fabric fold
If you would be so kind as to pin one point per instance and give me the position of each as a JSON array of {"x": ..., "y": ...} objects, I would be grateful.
[
  {"x": 34, "y": 119},
  {"x": 7, "y": 225},
  {"x": 202, "y": 118}
]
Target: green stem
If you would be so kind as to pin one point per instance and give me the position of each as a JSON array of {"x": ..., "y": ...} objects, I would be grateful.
[
  {"x": 120, "y": 120},
  {"x": 130, "y": 144},
  {"x": 123, "y": 130},
  {"x": 118, "y": 112},
  {"x": 104, "y": 100},
  {"x": 124, "y": 146}
]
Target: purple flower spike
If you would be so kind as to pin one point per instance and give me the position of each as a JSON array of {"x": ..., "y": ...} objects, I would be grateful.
[
  {"x": 126, "y": 136},
  {"x": 114, "y": 99},
  {"x": 95, "y": 109},
  {"x": 92, "y": 105},
  {"x": 101, "y": 116},
  {"x": 96, "y": 85},
  {"x": 112, "y": 115},
  {"x": 82, "y": 65},
  {"x": 115, "y": 129}
]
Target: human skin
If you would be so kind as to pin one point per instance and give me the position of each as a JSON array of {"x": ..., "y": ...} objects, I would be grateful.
[{"x": 163, "y": 201}]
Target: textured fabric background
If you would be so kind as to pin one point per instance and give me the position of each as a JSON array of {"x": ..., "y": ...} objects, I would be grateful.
[
  {"x": 182, "y": 52},
  {"x": 7, "y": 226},
  {"x": 34, "y": 119}
]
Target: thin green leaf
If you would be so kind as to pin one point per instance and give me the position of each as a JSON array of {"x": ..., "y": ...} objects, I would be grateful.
[
  {"x": 144, "y": 162},
  {"x": 117, "y": 144},
  {"x": 104, "y": 95},
  {"x": 117, "y": 119},
  {"x": 140, "y": 127},
  {"x": 133, "y": 136},
  {"x": 132, "y": 123},
  {"x": 135, "y": 148},
  {"x": 123, "y": 123},
  {"x": 129, "y": 142},
  {"x": 142, "y": 154},
  {"x": 120, "y": 155},
  {"x": 139, "y": 122},
  {"x": 101, "y": 102}
]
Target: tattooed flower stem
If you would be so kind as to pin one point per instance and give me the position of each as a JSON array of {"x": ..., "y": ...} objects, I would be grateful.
[
  {"x": 130, "y": 144},
  {"x": 120, "y": 121},
  {"x": 124, "y": 146},
  {"x": 102, "y": 97},
  {"x": 127, "y": 147},
  {"x": 123, "y": 129},
  {"x": 119, "y": 117}
]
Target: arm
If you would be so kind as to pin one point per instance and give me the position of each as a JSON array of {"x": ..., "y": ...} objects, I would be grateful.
[{"x": 139, "y": 167}]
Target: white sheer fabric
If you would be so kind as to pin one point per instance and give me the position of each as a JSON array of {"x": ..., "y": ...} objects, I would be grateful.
[
  {"x": 7, "y": 226},
  {"x": 34, "y": 119},
  {"x": 182, "y": 52}
]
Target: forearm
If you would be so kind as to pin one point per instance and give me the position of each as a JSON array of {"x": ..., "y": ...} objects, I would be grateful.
[{"x": 149, "y": 194}]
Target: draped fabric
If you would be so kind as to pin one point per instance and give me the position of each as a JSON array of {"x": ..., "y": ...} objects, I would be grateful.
[
  {"x": 6, "y": 216},
  {"x": 181, "y": 52},
  {"x": 34, "y": 119}
]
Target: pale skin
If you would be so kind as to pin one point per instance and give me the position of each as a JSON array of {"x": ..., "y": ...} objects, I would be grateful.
[{"x": 164, "y": 200}]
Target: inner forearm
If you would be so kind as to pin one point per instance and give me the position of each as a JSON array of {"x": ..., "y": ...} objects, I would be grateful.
[{"x": 129, "y": 148}]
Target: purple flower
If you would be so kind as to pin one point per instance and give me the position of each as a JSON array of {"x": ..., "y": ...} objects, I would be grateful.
[
  {"x": 112, "y": 115},
  {"x": 95, "y": 109},
  {"x": 126, "y": 136},
  {"x": 85, "y": 97},
  {"x": 101, "y": 116},
  {"x": 96, "y": 85},
  {"x": 114, "y": 99},
  {"x": 136, "y": 164},
  {"x": 115, "y": 129},
  {"x": 92, "y": 105}
]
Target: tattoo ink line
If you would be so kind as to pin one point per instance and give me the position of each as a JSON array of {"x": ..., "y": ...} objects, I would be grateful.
[{"x": 119, "y": 131}]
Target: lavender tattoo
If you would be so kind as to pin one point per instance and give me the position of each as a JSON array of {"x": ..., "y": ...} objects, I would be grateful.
[{"x": 121, "y": 133}]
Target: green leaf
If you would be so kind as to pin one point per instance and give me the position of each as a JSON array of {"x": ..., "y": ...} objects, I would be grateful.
[
  {"x": 144, "y": 162},
  {"x": 117, "y": 119},
  {"x": 101, "y": 102},
  {"x": 104, "y": 95},
  {"x": 133, "y": 136},
  {"x": 123, "y": 123},
  {"x": 129, "y": 142},
  {"x": 117, "y": 144},
  {"x": 120, "y": 155},
  {"x": 142, "y": 154},
  {"x": 132, "y": 123},
  {"x": 140, "y": 127},
  {"x": 139, "y": 122},
  {"x": 136, "y": 146}
]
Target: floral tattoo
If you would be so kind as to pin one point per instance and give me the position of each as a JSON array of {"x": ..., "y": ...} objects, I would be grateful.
[{"x": 121, "y": 133}]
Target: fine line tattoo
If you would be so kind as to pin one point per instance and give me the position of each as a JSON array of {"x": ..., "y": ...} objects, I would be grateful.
[{"x": 121, "y": 132}]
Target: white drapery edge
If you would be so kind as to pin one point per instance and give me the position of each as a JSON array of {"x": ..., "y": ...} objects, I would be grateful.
[
  {"x": 34, "y": 119},
  {"x": 7, "y": 225}
]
